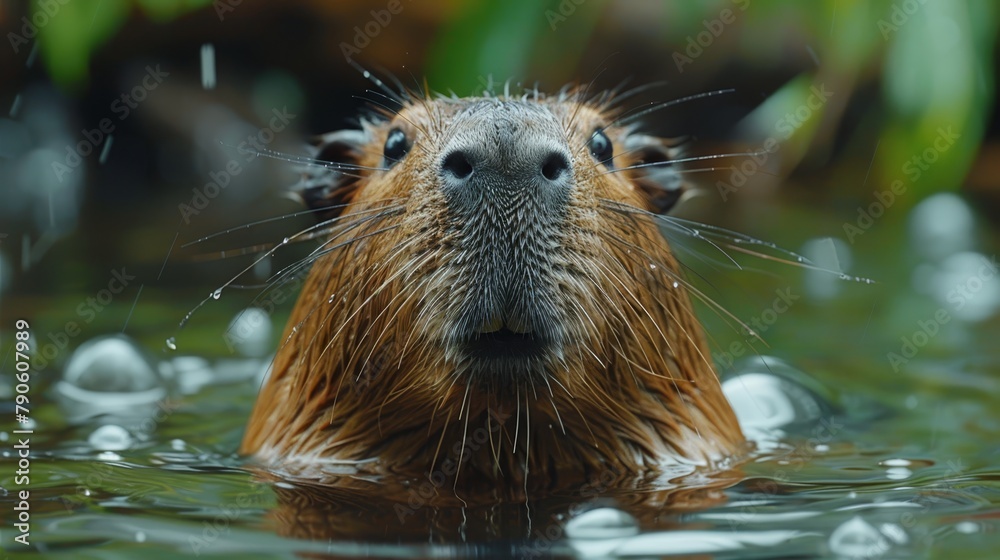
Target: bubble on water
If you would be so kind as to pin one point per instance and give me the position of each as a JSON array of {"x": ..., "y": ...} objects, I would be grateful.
[
  {"x": 110, "y": 438},
  {"x": 767, "y": 397},
  {"x": 856, "y": 538},
  {"x": 941, "y": 225},
  {"x": 191, "y": 373},
  {"x": 113, "y": 363},
  {"x": 829, "y": 254},
  {"x": 967, "y": 277},
  {"x": 602, "y": 523},
  {"x": 896, "y": 463},
  {"x": 177, "y": 444},
  {"x": 109, "y": 376},
  {"x": 898, "y": 473},
  {"x": 249, "y": 333},
  {"x": 967, "y": 527},
  {"x": 262, "y": 267},
  {"x": 108, "y": 456}
]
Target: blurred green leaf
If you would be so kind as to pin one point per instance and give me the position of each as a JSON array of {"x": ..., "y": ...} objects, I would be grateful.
[
  {"x": 73, "y": 31},
  {"x": 938, "y": 89},
  {"x": 490, "y": 39},
  {"x": 72, "y": 34}
]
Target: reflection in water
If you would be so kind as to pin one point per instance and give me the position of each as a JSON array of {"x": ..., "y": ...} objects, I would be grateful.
[{"x": 800, "y": 495}]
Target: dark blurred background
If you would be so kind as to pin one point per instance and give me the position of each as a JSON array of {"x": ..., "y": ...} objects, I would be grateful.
[{"x": 847, "y": 99}]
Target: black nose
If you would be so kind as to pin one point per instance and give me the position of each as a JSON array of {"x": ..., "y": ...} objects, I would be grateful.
[
  {"x": 554, "y": 165},
  {"x": 457, "y": 165},
  {"x": 468, "y": 166}
]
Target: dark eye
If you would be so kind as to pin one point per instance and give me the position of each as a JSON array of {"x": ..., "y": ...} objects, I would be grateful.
[
  {"x": 601, "y": 147},
  {"x": 396, "y": 146}
]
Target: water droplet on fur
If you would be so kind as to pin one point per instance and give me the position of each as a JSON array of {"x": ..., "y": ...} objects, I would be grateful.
[
  {"x": 677, "y": 285},
  {"x": 652, "y": 266}
]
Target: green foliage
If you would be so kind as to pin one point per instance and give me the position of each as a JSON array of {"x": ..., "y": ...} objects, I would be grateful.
[{"x": 77, "y": 29}]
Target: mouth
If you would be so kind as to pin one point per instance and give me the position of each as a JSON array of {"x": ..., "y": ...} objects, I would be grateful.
[{"x": 505, "y": 345}]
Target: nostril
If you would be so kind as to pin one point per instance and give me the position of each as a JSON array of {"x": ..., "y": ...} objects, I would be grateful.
[
  {"x": 457, "y": 164},
  {"x": 554, "y": 166}
]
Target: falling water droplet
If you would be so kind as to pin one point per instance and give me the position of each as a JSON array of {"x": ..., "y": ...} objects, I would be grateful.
[
  {"x": 217, "y": 294},
  {"x": 284, "y": 241},
  {"x": 172, "y": 343}
]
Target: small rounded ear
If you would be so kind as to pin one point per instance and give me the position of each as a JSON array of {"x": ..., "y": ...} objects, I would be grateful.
[
  {"x": 657, "y": 177},
  {"x": 329, "y": 184}
]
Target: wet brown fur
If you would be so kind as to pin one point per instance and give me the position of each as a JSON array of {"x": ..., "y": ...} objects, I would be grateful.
[{"x": 363, "y": 382}]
